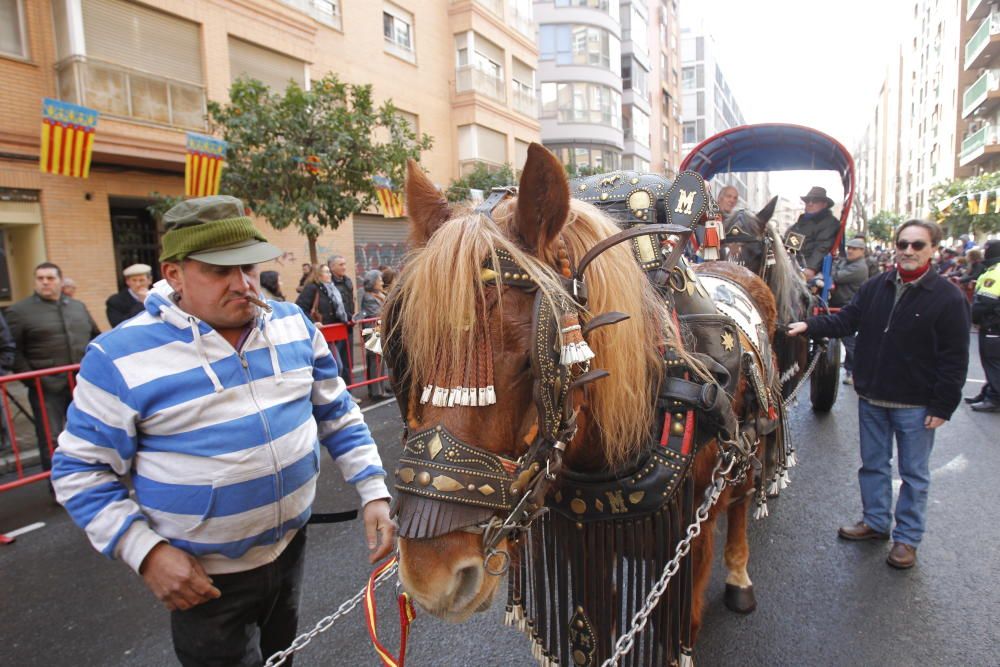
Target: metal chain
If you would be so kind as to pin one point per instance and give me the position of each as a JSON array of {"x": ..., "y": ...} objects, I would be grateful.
[
  {"x": 820, "y": 351},
  {"x": 626, "y": 642},
  {"x": 324, "y": 624}
]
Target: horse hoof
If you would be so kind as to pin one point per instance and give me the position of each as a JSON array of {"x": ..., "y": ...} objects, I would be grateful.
[{"x": 740, "y": 599}]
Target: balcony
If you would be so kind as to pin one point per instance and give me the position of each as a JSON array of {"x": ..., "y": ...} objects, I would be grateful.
[
  {"x": 117, "y": 90},
  {"x": 981, "y": 95},
  {"x": 524, "y": 100},
  {"x": 472, "y": 79},
  {"x": 976, "y": 9},
  {"x": 982, "y": 46},
  {"x": 495, "y": 6},
  {"x": 508, "y": 12},
  {"x": 978, "y": 144}
]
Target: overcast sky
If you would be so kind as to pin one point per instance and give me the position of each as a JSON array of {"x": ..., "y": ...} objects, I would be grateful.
[{"x": 814, "y": 62}]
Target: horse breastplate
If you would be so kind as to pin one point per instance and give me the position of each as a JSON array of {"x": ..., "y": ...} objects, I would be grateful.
[{"x": 732, "y": 300}]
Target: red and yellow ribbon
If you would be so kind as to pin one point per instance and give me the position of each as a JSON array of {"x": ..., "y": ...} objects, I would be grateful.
[{"x": 406, "y": 616}]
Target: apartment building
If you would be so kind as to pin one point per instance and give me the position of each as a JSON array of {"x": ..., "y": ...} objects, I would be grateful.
[
  {"x": 604, "y": 68},
  {"x": 463, "y": 71},
  {"x": 709, "y": 106},
  {"x": 979, "y": 150}
]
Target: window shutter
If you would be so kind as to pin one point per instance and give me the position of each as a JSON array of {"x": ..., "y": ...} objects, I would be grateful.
[
  {"x": 143, "y": 39},
  {"x": 270, "y": 67}
]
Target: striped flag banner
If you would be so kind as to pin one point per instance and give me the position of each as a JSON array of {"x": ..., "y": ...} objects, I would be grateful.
[
  {"x": 67, "y": 138},
  {"x": 390, "y": 202},
  {"x": 203, "y": 165}
]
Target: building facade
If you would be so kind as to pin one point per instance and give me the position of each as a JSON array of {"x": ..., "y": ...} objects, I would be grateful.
[
  {"x": 462, "y": 71},
  {"x": 604, "y": 67},
  {"x": 708, "y": 107},
  {"x": 979, "y": 150}
]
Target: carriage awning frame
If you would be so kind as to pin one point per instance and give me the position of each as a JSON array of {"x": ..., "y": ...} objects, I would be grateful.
[{"x": 775, "y": 147}]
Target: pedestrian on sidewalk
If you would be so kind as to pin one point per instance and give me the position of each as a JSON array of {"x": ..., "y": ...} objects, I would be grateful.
[
  {"x": 213, "y": 411},
  {"x": 986, "y": 313},
  {"x": 342, "y": 281},
  {"x": 371, "y": 298},
  {"x": 127, "y": 302},
  {"x": 49, "y": 329},
  {"x": 911, "y": 360},
  {"x": 849, "y": 273}
]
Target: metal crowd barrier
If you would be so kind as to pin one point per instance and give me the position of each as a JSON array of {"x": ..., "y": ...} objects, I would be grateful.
[{"x": 11, "y": 405}]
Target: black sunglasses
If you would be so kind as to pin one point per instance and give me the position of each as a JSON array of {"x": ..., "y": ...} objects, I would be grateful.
[{"x": 916, "y": 245}]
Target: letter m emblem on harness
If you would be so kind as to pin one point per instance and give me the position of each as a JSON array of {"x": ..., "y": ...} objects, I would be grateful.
[
  {"x": 685, "y": 202},
  {"x": 617, "y": 502}
]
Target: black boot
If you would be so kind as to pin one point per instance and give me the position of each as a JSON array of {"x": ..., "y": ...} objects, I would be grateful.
[{"x": 978, "y": 398}]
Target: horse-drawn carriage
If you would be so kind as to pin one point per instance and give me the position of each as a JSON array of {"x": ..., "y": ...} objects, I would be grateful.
[{"x": 784, "y": 147}]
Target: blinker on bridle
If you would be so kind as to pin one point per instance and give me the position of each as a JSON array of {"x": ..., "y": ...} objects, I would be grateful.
[{"x": 452, "y": 485}]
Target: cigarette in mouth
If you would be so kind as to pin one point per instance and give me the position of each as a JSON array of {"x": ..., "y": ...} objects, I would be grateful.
[{"x": 257, "y": 302}]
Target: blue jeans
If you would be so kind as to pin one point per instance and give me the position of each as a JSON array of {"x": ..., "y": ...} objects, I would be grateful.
[{"x": 913, "y": 444}]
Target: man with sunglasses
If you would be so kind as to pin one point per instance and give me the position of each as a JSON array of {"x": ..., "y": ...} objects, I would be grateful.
[{"x": 910, "y": 364}]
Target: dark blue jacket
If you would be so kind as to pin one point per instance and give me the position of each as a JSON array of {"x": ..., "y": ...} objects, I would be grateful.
[{"x": 916, "y": 352}]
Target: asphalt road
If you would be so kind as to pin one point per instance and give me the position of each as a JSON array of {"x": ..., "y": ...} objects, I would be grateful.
[{"x": 821, "y": 601}]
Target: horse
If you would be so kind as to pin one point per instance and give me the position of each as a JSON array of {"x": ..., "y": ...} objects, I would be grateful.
[
  {"x": 752, "y": 242},
  {"x": 498, "y": 434}
]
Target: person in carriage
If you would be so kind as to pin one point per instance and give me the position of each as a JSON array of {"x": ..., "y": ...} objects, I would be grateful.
[{"x": 815, "y": 232}]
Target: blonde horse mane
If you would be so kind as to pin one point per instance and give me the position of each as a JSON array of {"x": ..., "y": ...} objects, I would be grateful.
[{"x": 440, "y": 292}]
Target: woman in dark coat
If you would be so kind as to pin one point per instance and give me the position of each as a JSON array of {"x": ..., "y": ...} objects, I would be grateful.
[
  {"x": 371, "y": 298},
  {"x": 320, "y": 300},
  {"x": 270, "y": 286}
]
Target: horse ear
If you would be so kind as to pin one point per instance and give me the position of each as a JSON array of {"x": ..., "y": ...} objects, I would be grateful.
[
  {"x": 427, "y": 208},
  {"x": 765, "y": 213},
  {"x": 542, "y": 198}
]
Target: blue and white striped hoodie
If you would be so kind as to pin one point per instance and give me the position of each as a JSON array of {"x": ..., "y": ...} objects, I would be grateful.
[{"x": 222, "y": 447}]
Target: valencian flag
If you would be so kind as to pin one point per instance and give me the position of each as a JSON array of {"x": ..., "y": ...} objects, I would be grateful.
[
  {"x": 203, "y": 165},
  {"x": 390, "y": 202},
  {"x": 67, "y": 138}
]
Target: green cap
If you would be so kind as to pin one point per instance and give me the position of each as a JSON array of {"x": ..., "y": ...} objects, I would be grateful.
[{"x": 214, "y": 230}]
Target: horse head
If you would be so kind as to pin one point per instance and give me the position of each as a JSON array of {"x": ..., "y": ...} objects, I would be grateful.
[
  {"x": 469, "y": 338},
  {"x": 746, "y": 233}
]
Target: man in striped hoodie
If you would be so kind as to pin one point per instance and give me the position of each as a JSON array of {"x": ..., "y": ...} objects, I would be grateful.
[{"x": 215, "y": 409}]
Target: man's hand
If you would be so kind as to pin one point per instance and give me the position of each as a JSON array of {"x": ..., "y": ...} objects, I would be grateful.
[
  {"x": 796, "y": 328},
  {"x": 176, "y": 578},
  {"x": 380, "y": 531},
  {"x": 932, "y": 422}
]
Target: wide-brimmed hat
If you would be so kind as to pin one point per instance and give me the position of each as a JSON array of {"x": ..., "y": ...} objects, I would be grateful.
[
  {"x": 816, "y": 192},
  {"x": 214, "y": 230}
]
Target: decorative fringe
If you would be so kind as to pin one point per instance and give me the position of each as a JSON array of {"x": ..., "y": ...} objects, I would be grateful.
[
  {"x": 575, "y": 349},
  {"x": 468, "y": 384},
  {"x": 786, "y": 480},
  {"x": 686, "y": 659},
  {"x": 772, "y": 489},
  {"x": 761, "y": 511},
  {"x": 792, "y": 460}
]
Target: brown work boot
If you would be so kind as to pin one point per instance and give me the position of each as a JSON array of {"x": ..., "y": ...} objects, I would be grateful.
[
  {"x": 860, "y": 531},
  {"x": 902, "y": 556}
]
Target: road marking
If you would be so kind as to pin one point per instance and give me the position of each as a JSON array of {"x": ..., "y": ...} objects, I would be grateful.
[
  {"x": 972, "y": 380},
  {"x": 379, "y": 405},
  {"x": 26, "y": 529},
  {"x": 957, "y": 464}
]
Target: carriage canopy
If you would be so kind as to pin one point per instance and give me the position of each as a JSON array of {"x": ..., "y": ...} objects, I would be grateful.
[{"x": 775, "y": 147}]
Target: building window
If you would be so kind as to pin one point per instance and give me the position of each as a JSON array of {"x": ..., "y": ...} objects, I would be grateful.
[
  {"x": 688, "y": 78},
  {"x": 120, "y": 75},
  {"x": 271, "y": 68},
  {"x": 635, "y": 28},
  {"x": 690, "y": 132},
  {"x": 13, "y": 41},
  {"x": 580, "y": 45},
  {"x": 397, "y": 28},
  {"x": 324, "y": 11},
  {"x": 610, "y": 7},
  {"x": 480, "y": 145},
  {"x": 580, "y": 102},
  {"x": 635, "y": 77},
  {"x": 636, "y": 124},
  {"x": 523, "y": 84},
  {"x": 596, "y": 159},
  {"x": 478, "y": 66}
]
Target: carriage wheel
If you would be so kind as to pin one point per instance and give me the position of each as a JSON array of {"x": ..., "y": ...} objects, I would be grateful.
[{"x": 825, "y": 380}]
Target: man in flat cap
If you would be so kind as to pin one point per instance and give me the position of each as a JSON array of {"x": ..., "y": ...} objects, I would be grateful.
[
  {"x": 814, "y": 232},
  {"x": 128, "y": 302},
  {"x": 215, "y": 405}
]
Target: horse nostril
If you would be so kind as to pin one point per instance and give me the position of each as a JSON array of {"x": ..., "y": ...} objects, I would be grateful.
[{"x": 468, "y": 579}]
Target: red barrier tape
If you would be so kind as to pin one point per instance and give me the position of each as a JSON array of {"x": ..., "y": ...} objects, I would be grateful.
[{"x": 406, "y": 615}]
